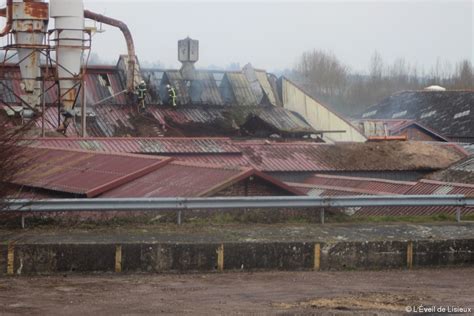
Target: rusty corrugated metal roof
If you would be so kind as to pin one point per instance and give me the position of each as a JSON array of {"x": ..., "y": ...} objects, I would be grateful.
[
  {"x": 108, "y": 120},
  {"x": 273, "y": 157},
  {"x": 340, "y": 186},
  {"x": 181, "y": 179},
  {"x": 370, "y": 185},
  {"x": 156, "y": 146},
  {"x": 328, "y": 190},
  {"x": 176, "y": 179},
  {"x": 389, "y": 156},
  {"x": 82, "y": 172},
  {"x": 90, "y": 174},
  {"x": 437, "y": 187},
  {"x": 101, "y": 83},
  {"x": 236, "y": 160},
  {"x": 425, "y": 187}
]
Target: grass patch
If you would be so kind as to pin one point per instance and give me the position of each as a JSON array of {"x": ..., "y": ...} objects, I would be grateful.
[{"x": 210, "y": 218}]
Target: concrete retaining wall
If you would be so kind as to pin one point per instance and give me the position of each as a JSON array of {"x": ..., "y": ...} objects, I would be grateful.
[{"x": 19, "y": 259}]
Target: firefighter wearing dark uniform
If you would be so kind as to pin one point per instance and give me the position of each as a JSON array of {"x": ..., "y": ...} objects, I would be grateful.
[
  {"x": 171, "y": 95},
  {"x": 141, "y": 93}
]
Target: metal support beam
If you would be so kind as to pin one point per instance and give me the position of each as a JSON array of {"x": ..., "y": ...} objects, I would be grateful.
[
  {"x": 83, "y": 109},
  {"x": 65, "y": 205}
]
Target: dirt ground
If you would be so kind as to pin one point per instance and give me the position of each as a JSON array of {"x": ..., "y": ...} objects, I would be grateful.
[{"x": 265, "y": 293}]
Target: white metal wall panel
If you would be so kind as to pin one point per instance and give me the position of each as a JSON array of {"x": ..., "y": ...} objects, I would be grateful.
[{"x": 319, "y": 116}]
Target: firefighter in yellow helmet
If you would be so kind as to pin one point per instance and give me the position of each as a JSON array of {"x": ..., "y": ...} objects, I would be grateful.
[{"x": 171, "y": 95}]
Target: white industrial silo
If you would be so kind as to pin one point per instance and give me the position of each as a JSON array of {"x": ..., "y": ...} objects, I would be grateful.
[
  {"x": 29, "y": 26},
  {"x": 69, "y": 25}
]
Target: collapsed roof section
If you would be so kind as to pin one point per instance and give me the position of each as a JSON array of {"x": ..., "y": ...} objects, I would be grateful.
[
  {"x": 249, "y": 87},
  {"x": 124, "y": 121},
  {"x": 202, "y": 110},
  {"x": 248, "y": 103}
]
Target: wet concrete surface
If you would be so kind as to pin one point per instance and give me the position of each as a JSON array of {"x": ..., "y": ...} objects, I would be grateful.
[
  {"x": 268, "y": 293},
  {"x": 190, "y": 233}
]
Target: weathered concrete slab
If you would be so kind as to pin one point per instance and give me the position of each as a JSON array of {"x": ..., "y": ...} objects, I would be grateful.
[
  {"x": 3, "y": 258},
  {"x": 40, "y": 258},
  {"x": 440, "y": 253},
  {"x": 269, "y": 256},
  {"x": 168, "y": 257},
  {"x": 233, "y": 247}
]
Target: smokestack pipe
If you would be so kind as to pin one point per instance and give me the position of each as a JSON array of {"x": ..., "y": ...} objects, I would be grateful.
[
  {"x": 128, "y": 38},
  {"x": 8, "y": 12}
]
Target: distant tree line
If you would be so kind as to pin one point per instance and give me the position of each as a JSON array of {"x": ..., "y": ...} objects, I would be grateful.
[{"x": 323, "y": 75}]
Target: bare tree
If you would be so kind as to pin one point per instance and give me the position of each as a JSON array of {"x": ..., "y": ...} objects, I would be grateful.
[
  {"x": 464, "y": 76},
  {"x": 322, "y": 72},
  {"x": 376, "y": 67},
  {"x": 324, "y": 76},
  {"x": 10, "y": 154}
]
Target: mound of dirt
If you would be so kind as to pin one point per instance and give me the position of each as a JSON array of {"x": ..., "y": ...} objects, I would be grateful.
[
  {"x": 382, "y": 302},
  {"x": 392, "y": 155}
]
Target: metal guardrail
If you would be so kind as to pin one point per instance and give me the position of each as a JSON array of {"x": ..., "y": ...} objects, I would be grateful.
[
  {"x": 180, "y": 204},
  {"x": 131, "y": 204}
]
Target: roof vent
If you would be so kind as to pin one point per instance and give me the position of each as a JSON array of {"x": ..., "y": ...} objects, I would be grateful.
[{"x": 435, "y": 88}]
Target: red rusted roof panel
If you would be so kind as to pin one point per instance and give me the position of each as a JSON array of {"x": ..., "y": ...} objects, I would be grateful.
[
  {"x": 377, "y": 186},
  {"x": 156, "y": 146},
  {"x": 327, "y": 190},
  {"x": 285, "y": 156},
  {"x": 80, "y": 172},
  {"x": 425, "y": 187},
  {"x": 176, "y": 179}
]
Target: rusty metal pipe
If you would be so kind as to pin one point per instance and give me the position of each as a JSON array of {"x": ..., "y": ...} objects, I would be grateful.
[
  {"x": 128, "y": 38},
  {"x": 9, "y": 15}
]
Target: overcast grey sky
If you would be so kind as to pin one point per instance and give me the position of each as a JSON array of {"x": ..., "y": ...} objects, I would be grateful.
[{"x": 272, "y": 34}]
